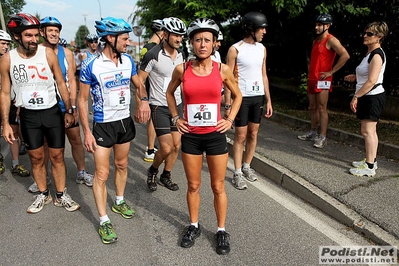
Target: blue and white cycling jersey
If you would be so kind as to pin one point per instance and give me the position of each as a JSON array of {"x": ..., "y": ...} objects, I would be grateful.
[{"x": 109, "y": 86}]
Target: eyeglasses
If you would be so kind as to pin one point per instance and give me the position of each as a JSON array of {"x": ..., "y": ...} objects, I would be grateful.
[{"x": 368, "y": 33}]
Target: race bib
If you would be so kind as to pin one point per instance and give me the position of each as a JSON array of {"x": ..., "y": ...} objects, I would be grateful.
[
  {"x": 323, "y": 85},
  {"x": 254, "y": 87},
  {"x": 119, "y": 99},
  {"x": 202, "y": 115},
  {"x": 35, "y": 100}
]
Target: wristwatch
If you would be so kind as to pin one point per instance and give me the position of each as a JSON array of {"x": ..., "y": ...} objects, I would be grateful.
[
  {"x": 227, "y": 106},
  {"x": 174, "y": 120},
  {"x": 144, "y": 99},
  {"x": 69, "y": 111}
]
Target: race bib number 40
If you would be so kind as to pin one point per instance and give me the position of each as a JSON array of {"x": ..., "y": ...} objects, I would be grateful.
[{"x": 202, "y": 115}]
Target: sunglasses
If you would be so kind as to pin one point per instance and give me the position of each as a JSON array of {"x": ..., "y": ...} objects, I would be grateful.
[
  {"x": 368, "y": 33},
  {"x": 93, "y": 41}
]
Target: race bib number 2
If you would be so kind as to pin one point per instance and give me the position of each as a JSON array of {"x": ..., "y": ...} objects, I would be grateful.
[
  {"x": 202, "y": 115},
  {"x": 119, "y": 99}
]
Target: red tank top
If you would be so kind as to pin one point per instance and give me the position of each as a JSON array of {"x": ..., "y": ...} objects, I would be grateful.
[
  {"x": 321, "y": 59},
  {"x": 201, "y": 97}
]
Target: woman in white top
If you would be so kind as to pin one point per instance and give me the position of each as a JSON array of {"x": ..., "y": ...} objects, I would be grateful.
[{"x": 369, "y": 99}]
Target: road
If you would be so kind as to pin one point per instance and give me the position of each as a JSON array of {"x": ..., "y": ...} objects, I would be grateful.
[{"x": 268, "y": 226}]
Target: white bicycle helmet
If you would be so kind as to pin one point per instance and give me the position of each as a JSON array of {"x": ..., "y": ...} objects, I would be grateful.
[
  {"x": 174, "y": 25},
  {"x": 202, "y": 24},
  {"x": 220, "y": 36},
  {"x": 5, "y": 36}
]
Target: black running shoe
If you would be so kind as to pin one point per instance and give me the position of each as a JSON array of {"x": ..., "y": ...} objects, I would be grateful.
[
  {"x": 188, "y": 239},
  {"x": 166, "y": 181},
  {"x": 152, "y": 180},
  {"x": 222, "y": 243}
]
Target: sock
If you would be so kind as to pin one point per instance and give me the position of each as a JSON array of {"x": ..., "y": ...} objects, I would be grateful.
[
  {"x": 59, "y": 194},
  {"x": 149, "y": 152},
  {"x": 370, "y": 165},
  {"x": 165, "y": 173},
  {"x": 153, "y": 169},
  {"x": 221, "y": 229},
  {"x": 15, "y": 163},
  {"x": 82, "y": 172},
  {"x": 237, "y": 171},
  {"x": 195, "y": 224},
  {"x": 375, "y": 159},
  {"x": 104, "y": 219},
  {"x": 118, "y": 199},
  {"x": 245, "y": 165},
  {"x": 322, "y": 136},
  {"x": 46, "y": 192}
]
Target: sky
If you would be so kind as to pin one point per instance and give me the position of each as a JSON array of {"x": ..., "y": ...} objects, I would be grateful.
[{"x": 72, "y": 13}]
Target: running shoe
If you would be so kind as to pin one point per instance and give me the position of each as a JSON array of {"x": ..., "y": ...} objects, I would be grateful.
[
  {"x": 222, "y": 243},
  {"x": 84, "y": 178},
  {"x": 39, "y": 203},
  {"x": 20, "y": 170},
  {"x": 363, "y": 170},
  {"x": 166, "y": 181},
  {"x": 107, "y": 233},
  {"x": 308, "y": 136},
  {"x": 239, "y": 182},
  {"x": 249, "y": 174},
  {"x": 66, "y": 202},
  {"x": 123, "y": 209},
  {"x": 320, "y": 142},
  {"x": 359, "y": 163},
  {"x": 34, "y": 189},
  {"x": 149, "y": 157},
  {"x": 22, "y": 149},
  {"x": 152, "y": 180},
  {"x": 189, "y": 237}
]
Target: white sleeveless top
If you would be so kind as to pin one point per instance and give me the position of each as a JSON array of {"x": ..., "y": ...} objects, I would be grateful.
[
  {"x": 249, "y": 64},
  {"x": 32, "y": 80}
]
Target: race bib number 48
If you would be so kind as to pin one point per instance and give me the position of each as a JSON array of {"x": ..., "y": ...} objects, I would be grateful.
[
  {"x": 202, "y": 115},
  {"x": 35, "y": 100}
]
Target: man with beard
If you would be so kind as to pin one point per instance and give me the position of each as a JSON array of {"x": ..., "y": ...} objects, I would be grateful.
[
  {"x": 325, "y": 48},
  {"x": 30, "y": 74}
]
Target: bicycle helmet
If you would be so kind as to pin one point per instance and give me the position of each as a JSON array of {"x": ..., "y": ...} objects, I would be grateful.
[
  {"x": 174, "y": 25},
  {"x": 91, "y": 37},
  {"x": 5, "y": 36},
  {"x": 50, "y": 21},
  {"x": 112, "y": 26},
  {"x": 63, "y": 42},
  {"x": 220, "y": 36},
  {"x": 22, "y": 21},
  {"x": 157, "y": 25},
  {"x": 253, "y": 20},
  {"x": 202, "y": 24},
  {"x": 324, "y": 19}
]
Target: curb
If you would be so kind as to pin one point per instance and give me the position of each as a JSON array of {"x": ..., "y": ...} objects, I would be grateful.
[
  {"x": 385, "y": 149},
  {"x": 302, "y": 188}
]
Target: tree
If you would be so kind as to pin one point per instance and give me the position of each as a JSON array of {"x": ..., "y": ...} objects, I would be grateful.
[
  {"x": 11, "y": 7},
  {"x": 80, "y": 36}
]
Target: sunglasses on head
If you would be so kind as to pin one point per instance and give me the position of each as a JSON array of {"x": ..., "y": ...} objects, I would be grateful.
[{"x": 368, "y": 33}]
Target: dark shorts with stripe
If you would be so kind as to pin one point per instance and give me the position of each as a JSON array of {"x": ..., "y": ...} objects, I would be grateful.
[
  {"x": 115, "y": 132},
  {"x": 212, "y": 143},
  {"x": 39, "y": 124},
  {"x": 251, "y": 110},
  {"x": 162, "y": 119}
]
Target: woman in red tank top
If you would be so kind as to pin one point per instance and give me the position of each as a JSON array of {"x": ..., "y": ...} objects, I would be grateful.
[{"x": 203, "y": 127}]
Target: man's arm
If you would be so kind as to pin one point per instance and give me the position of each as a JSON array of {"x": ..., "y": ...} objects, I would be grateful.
[
  {"x": 5, "y": 97},
  {"x": 231, "y": 62},
  {"x": 142, "y": 107},
  {"x": 72, "y": 81},
  {"x": 336, "y": 45},
  {"x": 268, "y": 99},
  {"x": 83, "y": 108}
]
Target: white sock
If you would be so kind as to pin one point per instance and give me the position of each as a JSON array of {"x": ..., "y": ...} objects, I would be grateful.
[
  {"x": 195, "y": 224},
  {"x": 221, "y": 229},
  {"x": 246, "y": 165},
  {"x": 15, "y": 163},
  {"x": 104, "y": 219},
  {"x": 237, "y": 171},
  {"x": 118, "y": 199}
]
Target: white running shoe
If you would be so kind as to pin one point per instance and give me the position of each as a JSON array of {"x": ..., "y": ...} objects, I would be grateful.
[
  {"x": 320, "y": 142},
  {"x": 239, "y": 182},
  {"x": 249, "y": 174},
  {"x": 85, "y": 178},
  {"x": 66, "y": 202},
  {"x": 358, "y": 163},
  {"x": 363, "y": 170},
  {"x": 308, "y": 136},
  {"x": 39, "y": 203}
]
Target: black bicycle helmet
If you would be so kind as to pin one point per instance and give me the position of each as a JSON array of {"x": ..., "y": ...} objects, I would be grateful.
[
  {"x": 202, "y": 24},
  {"x": 324, "y": 19},
  {"x": 253, "y": 20},
  {"x": 22, "y": 21}
]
